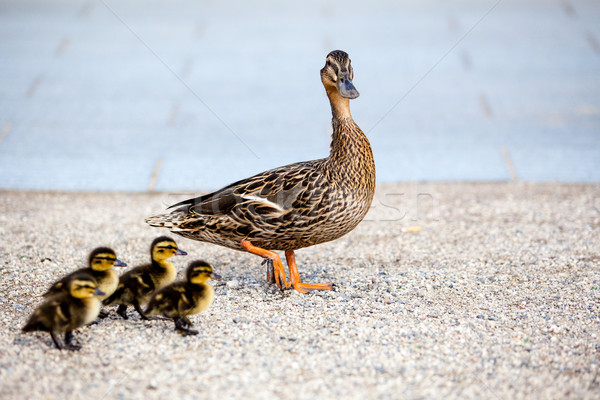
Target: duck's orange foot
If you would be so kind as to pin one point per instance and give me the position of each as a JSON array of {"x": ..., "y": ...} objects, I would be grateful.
[
  {"x": 272, "y": 260},
  {"x": 306, "y": 287},
  {"x": 276, "y": 272},
  {"x": 295, "y": 276}
]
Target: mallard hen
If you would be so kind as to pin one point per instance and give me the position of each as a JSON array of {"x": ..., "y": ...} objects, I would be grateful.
[{"x": 293, "y": 206}]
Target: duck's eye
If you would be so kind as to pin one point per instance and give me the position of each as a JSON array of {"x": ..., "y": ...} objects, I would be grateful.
[
  {"x": 161, "y": 251},
  {"x": 100, "y": 259}
]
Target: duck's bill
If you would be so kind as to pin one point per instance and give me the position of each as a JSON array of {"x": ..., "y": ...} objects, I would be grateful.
[
  {"x": 180, "y": 253},
  {"x": 216, "y": 276},
  {"x": 99, "y": 292},
  {"x": 346, "y": 87},
  {"x": 119, "y": 263}
]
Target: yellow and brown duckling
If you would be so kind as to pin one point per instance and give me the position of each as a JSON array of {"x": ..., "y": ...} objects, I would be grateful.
[
  {"x": 294, "y": 206},
  {"x": 137, "y": 285},
  {"x": 100, "y": 265},
  {"x": 68, "y": 310},
  {"x": 183, "y": 298}
]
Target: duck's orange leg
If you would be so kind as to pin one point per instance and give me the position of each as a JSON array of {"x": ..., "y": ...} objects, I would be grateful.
[
  {"x": 271, "y": 255},
  {"x": 295, "y": 276}
]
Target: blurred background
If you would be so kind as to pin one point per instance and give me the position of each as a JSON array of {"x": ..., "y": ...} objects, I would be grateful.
[{"x": 120, "y": 95}]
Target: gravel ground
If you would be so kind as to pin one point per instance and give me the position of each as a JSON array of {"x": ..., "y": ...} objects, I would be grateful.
[{"x": 497, "y": 296}]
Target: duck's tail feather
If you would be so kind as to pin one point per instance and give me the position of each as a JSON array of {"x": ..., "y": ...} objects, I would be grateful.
[
  {"x": 33, "y": 325},
  {"x": 169, "y": 221}
]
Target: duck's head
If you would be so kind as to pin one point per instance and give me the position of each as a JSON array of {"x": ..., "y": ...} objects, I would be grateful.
[
  {"x": 103, "y": 259},
  {"x": 199, "y": 272},
  {"x": 337, "y": 74},
  {"x": 83, "y": 286},
  {"x": 164, "y": 247}
]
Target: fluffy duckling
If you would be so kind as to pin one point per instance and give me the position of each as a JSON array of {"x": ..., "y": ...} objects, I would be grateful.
[
  {"x": 67, "y": 310},
  {"x": 137, "y": 285},
  {"x": 183, "y": 298},
  {"x": 100, "y": 265}
]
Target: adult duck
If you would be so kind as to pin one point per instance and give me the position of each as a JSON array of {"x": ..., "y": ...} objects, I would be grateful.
[{"x": 294, "y": 206}]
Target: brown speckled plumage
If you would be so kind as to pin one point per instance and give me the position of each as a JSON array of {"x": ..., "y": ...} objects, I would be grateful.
[{"x": 297, "y": 205}]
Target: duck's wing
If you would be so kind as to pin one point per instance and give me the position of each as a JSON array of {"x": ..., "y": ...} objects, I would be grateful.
[
  {"x": 169, "y": 301},
  {"x": 270, "y": 194},
  {"x": 54, "y": 314},
  {"x": 135, "y": 283}
]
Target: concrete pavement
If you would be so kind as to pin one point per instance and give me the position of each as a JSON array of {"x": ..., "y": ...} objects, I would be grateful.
[{"x": 128, "y": 96}]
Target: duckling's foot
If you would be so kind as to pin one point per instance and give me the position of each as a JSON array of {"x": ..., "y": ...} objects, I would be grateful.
[
  {"x": 69, "y": 345},
  {"x": 187, "y": 332},
  {"x": 271, "y": 256},
  {"x": 138, "y": 308},
  {"x": 182, "y": 325},
  {"x": 122, "y": 311},
  {"x": 295, "y": 276},
  {"x": 73, "y": 347}
]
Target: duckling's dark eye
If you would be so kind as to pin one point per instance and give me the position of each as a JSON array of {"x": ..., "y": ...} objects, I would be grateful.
[
  {"x": 161, "y": 251},
  {"x": 100, "y": 259}
]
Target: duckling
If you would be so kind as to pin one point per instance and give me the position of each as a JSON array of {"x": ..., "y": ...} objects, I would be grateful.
[
  {"x": 294, "y": 206},
  {"x": 183, "y": 298},
  {"x": 66, "y": 311},
  {"x": 137, "y": 285},
  {"x": 100, "y": 265}
]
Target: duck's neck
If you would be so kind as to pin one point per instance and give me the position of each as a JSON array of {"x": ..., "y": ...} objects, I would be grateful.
[
  {"x": 340, "y": 106},
  {"x": 350, "y": 162},
  {"x": 162, "y": 264},
  {"x": 349, "y": 145}
]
